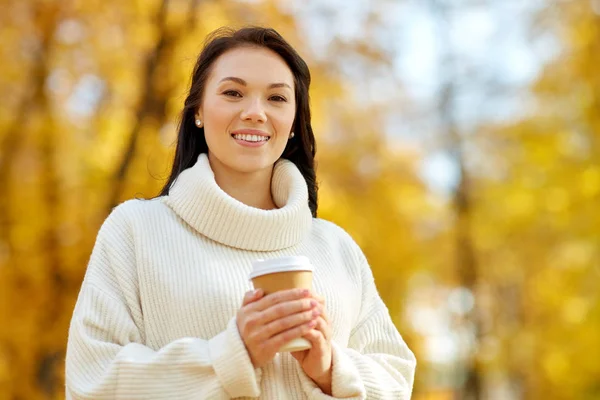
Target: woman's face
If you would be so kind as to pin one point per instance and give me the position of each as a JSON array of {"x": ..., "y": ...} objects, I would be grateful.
[{"x": 248, "y": 109}]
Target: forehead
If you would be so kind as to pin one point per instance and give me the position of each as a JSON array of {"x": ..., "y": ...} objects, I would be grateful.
[{"x": 255, "y": 65}]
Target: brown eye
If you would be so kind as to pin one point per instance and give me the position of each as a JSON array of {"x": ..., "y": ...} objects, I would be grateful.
[
  {"x": 232, "y": 93},
  {"x": 277, "y": 98}
]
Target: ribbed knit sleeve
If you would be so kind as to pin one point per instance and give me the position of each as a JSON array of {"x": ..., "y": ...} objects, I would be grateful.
[
  {"x": 106, "y": 356},
  {"x": 377, "y": 364}
]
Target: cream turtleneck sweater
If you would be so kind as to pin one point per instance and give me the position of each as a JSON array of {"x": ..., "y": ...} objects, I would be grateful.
[{"x": 155, "y": 317}]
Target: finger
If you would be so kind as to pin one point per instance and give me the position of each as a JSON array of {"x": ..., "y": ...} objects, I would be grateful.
[
  {"x": 285, "y": 309},
  {"x": 279, "y": 297},
  {"x": 323, "y": 311},
  {"x": 315, "y": 337},
  {"x": 252, "y": 295},
  {"x": 296, "y": 332},
  {"x": 323, "y": 327},
  {"x": 319, "y": 298},
  {"x": 261, "y": 325},
  {"x": 282, "y": 324}
]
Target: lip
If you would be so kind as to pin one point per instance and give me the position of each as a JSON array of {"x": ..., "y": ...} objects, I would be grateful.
[{"x": 250, "y": 132}]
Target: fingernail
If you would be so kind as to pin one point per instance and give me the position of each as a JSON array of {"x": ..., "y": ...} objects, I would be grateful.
[
  {"x": 305, "y": 292},
  {"x": 257, "y": 292},
  {"x": 316, "y": 313},
  {"x": 313, "y": 303}
]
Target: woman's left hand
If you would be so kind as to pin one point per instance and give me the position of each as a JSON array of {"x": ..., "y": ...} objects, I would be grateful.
[{"x": 317, "y": 361}]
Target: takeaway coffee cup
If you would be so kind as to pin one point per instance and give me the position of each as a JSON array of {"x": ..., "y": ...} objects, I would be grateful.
[{"x": 280, "y": 274}]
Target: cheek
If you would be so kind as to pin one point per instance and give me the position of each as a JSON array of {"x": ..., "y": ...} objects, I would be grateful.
[
  {"x": 218, "y": 117},
  {"x": 285, "y": 122}
]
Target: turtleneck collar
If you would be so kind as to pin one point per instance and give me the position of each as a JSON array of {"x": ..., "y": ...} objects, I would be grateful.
[{"x": 199, "y": 201}]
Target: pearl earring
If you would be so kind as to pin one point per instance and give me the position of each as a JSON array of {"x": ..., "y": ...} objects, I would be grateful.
[
  {"x": 199, "y": 123},
  {"x": 291, "y": 135}
]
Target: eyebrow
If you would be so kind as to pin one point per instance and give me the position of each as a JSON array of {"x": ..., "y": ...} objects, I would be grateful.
[{"x": 243, "y": 82}]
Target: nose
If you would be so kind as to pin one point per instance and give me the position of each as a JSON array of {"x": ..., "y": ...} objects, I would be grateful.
[{"x": 254, "y": 111}]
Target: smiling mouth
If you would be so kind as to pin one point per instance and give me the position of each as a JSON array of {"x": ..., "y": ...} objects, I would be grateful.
[{"x": 251, "y": 138}]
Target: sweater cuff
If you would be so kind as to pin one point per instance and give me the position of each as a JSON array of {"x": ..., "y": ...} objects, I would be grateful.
[
  {"x": 232, "y": 363},
  {"x": 346, "y": 381}
]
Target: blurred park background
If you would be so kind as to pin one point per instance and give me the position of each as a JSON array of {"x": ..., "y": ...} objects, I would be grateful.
[{"x": 458, "y": 142}]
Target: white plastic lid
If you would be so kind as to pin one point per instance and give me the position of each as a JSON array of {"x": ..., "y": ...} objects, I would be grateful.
[{"x": 282, "y": 264}]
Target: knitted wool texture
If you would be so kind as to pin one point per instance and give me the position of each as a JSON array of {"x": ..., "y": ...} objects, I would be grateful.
[{"x": 155, "y": 317}]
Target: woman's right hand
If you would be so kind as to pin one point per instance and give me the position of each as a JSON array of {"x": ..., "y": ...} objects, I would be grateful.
[{"x": 268, "y": 322}]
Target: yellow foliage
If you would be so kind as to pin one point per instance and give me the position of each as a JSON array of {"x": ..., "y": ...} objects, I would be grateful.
[{"x": 73, "y": 79}]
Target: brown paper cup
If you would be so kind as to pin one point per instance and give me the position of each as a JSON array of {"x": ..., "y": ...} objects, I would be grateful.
[
  {"x": 277, "y": 281},
  {"x": 281, "y": 274}
]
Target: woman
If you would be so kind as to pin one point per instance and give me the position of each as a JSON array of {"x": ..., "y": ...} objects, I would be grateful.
[{"x": 162, "y": 312}]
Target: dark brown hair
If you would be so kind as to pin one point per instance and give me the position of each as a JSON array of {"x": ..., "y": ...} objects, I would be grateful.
[{"x": 190, "y": 139}]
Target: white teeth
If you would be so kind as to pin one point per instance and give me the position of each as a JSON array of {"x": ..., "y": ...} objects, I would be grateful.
[{"x": 251, "y": 138}]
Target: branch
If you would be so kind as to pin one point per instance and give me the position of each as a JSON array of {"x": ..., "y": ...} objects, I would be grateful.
[
  {"x": 17, "y": 131},
  {"x": 144, "y": 108},
  {"x": 153, "y": 103}
]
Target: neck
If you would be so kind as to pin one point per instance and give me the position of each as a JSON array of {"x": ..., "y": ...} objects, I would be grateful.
[{"x": 251, "y": 188}]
